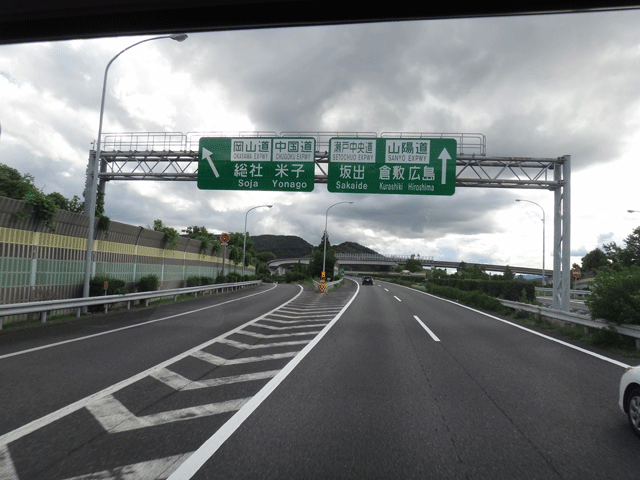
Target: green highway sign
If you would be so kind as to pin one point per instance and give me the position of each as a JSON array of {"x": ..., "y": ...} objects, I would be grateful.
[
  {"x": 257, "y": 163},
  {"x": 406, "y": 166}
]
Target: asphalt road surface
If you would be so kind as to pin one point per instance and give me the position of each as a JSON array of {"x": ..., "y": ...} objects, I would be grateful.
[{"x": 279, "y": 382}]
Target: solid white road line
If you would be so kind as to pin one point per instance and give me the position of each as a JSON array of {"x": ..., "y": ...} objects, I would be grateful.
[
  {"x": 63, "y": 412},
  {"x": 397, "y": 298},
  {"x": 189, "y": 468},
  {"x": 427, "y": 329},
  {"x": 130, "y": 326}
]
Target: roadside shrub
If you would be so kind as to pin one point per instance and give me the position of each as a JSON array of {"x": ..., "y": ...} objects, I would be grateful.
[
  {"x": 234, "y": 277},
  {"x": 194, "y": 281},
  {"x": 116, "y": 286},
  {"x": 222, "y": 279},
  {"x": 206, "y": 281},
  {"x": 605, "y": 337},
  {"x": 474, "y": 298},
  {"x": 615, "y": 296},
  {"x": 148, "y": 283},
  {"x": 515, "y": 290},
  {"x": 292, "y": 276}
]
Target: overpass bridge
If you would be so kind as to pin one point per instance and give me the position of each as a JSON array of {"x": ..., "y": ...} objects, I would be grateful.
[{"x": 378, "y": 262}]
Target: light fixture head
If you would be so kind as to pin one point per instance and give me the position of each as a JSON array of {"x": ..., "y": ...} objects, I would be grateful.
[{"x": 179, "y": 37}]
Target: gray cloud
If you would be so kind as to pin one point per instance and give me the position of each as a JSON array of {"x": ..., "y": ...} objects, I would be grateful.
[{"x": 535, "y": 86}]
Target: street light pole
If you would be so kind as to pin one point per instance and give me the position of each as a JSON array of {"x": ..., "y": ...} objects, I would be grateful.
[
  {"x": 543, "y": 237},
  {"x": 326, "y": 218},
  {"x": 93, "y": 168},
  {"x": 244, "y": 247}
]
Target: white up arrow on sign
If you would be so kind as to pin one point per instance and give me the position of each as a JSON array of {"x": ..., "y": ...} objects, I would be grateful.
[{"x": 444, "y": 156}]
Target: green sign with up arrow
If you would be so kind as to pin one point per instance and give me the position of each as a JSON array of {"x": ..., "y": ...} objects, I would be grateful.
[
  {"x": 406, "y": 166},
  {"x": 257, "y": 163}
]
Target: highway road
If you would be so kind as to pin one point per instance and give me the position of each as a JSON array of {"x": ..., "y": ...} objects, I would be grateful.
[{"x": 279, "y": 382}]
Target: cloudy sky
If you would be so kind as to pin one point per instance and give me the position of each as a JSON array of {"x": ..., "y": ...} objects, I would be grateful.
[{"x": 537, "y": 86}]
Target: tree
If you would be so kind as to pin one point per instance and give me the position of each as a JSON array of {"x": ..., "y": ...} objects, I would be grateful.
[
  {"x": 632, "y": 247},
  {"x": 201, "y": 234},
  {"x": 413, "y": 265},
  {"x": 594, "y": 261},
  {"x": 508, "y": 274},
  {"x": 315, "y": 265},
  {"x": 170, "y": 234},
  {"x": 13, "y": 184},
  {"x": 266, "y": 257}
]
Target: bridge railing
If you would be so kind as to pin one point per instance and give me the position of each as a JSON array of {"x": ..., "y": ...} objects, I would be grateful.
[{"x": 372, "y": 256}]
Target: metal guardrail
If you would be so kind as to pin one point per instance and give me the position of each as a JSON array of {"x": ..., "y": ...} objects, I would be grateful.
[
  {"x": 576, "y": 293},
  {"x": 44, "y": 307},
  {"x": 625, "y": 329}
]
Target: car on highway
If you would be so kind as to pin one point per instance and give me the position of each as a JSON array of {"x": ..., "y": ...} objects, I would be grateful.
[
  {"x": 630, "y": 397},
  {"x": 367, "y": 280}
]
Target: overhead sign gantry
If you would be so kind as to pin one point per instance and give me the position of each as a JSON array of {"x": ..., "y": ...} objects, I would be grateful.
[{"x": 177, "y": 157}]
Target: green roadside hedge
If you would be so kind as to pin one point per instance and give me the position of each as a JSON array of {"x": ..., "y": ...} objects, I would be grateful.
[
  {"x": 515, "y": 290},
  {"x": 473, "y": 298}
]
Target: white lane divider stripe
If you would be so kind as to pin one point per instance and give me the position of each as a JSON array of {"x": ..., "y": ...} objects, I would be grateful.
[
  {"x": 116, "y": 418},
  {"x": 271, "y": 327},
  {"x": 427, "y": 329},
  {"x": 397, "y": 298},
  {"x": 246, "y": 346},
  {"x": 178, "y": 382},
  {"x": 302, "y": 318},
  {"x": 278, "y": 335},
  {"x": 215, "y": 360},
  {"x": 158, "y": 469},
  {"x": 290, "y": 322}
]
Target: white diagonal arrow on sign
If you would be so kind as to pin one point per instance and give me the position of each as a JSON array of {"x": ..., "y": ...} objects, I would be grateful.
[{"x": 206, "y": 154}]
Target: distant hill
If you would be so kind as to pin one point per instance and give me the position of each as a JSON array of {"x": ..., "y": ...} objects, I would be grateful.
[
  {"x": 352, "y": 247},
  {"x": 282, "y": 246},
  {"x": 291, "y": 246}
]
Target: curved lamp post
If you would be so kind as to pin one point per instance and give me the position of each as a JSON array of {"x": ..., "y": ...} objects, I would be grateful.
[
  {"x": 92, "y": 170},
  {"x": 326, "y": 217},
  {"x": 244, "y": 247},
  {"x": 543, "y": 236}
]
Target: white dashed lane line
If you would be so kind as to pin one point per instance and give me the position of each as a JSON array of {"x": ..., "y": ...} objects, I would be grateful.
[{"x": 436, "y": 339}]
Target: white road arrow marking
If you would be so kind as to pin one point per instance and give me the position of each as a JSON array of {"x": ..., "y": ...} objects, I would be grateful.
[
  {"x": 444, "y": 156},
  {"x": 206, "y": 154}
]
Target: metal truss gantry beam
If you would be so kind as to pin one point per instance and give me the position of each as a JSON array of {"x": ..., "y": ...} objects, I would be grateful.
[{"x": 174, "y": 157}]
